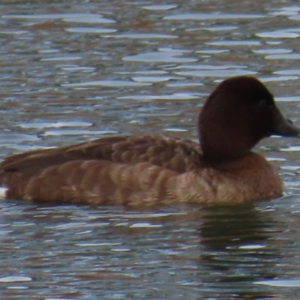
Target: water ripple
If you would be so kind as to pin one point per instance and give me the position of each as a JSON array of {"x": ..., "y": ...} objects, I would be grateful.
[
  {"x": 71, "y": 17},
  {"x": 159, "y": 57},
  {"x": 212, "y": 16}
]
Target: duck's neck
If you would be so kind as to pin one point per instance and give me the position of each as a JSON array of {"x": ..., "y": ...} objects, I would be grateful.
[
  {"x": 222, "y": 150},
  {"x": 222, "y": 142}
]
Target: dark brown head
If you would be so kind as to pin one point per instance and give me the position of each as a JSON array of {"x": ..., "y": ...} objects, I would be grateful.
[{"x": 236, "y": 116}]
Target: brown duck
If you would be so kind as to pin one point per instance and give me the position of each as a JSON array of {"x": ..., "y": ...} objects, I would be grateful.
[{"x": 156, "y": 169}]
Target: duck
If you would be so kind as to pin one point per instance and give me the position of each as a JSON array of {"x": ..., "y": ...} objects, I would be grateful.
[{"x": 149, "y": 169}]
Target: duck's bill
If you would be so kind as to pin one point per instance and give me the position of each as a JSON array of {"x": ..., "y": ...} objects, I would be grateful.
[{"x": 285, "y": 127}]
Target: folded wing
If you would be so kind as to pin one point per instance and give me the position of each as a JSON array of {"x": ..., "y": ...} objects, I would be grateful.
[{"x": 99, "y": 170}]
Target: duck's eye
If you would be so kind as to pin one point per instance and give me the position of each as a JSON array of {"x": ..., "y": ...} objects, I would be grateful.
[{"x": 264, "y": 102}]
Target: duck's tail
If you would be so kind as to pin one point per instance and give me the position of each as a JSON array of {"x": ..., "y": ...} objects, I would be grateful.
[{"x": 3, "y": 192}]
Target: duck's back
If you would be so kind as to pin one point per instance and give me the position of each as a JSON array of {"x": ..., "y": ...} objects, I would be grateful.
[{"x": 106, "y": 170}]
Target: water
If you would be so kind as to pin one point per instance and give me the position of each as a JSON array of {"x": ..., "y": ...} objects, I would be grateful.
[{"x": 76, "y": 70}]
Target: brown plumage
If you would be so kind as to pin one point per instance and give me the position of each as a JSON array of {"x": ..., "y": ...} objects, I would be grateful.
[
  {"x": 152, "y": 169},
  {"x": 87, "y": 172}
]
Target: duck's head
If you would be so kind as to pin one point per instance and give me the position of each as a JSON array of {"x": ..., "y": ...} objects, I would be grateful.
[{"x": 237, "y": 115}]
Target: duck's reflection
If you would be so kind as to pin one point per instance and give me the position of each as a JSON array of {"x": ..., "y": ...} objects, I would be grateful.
[{"x": 234, "y": 251}]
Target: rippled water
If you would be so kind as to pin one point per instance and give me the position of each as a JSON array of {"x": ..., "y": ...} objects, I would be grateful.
[{"x": 75, "y": 70}]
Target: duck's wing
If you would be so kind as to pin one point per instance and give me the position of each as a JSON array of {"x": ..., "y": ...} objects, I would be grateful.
[
  {"x": 171, "y": 153},
  {"x": 128, "y": 169}
]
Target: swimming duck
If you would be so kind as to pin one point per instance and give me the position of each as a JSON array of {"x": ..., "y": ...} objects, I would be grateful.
[{"x": 156, "y": 169}]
